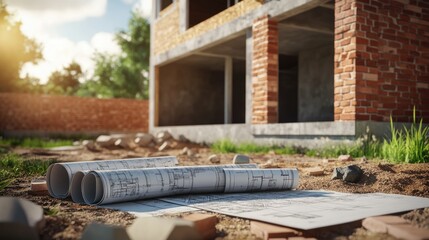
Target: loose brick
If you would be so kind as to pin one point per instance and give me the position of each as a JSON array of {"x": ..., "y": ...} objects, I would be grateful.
[
  {"x": 268, "y": 231},
  {"x": 315, "y": 171},
  {"x": 204, "y": 223},
  {"x": 395, "y": 226}
]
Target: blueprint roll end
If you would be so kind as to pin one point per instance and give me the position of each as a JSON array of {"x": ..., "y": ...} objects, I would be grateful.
[
  {"x": 76, "y": 189},
  {"x": 57, "y": 179},
  {"x": 92, "y": 191}
]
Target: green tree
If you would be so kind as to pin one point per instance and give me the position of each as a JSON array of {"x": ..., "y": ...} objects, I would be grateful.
[
  {"x": 15, "y": 50},
  {"x": 123, "y": 75},
  {"x": 66, "y": 81}
]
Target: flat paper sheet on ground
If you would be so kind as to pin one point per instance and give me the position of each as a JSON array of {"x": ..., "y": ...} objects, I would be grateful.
[{"x": 303, "y": 209}]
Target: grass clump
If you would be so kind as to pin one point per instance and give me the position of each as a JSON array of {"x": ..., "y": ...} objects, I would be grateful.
[
  {"x": 35, "y": 142},
  {"x": 13, "y": 166},
  {"x": 227, "y": 146},
  {"x": 409, "y": 145}
]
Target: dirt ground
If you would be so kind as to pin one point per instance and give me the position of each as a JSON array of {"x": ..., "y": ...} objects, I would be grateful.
[{"x": 67, "y": 220}]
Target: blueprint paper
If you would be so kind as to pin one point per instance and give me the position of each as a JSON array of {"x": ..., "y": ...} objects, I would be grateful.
[
  {"x": 102, "y": 187},
  {"x": 146, "y": 208},
  {"x": 302, "y": 209},
  {"x": 256, "y": 180},
  {"x": 59, "y": 175}
]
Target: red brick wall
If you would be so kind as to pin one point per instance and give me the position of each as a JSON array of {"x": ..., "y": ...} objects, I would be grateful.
[
  {"x": 265, "y": 71},
  {"x": 63, "y": 114},
  {"x": 381, "y": 59}
]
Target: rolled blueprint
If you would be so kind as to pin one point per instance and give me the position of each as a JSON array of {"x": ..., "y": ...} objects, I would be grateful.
[
  {"x": 75, "y": 188},
  {"x": 101, "y": 187},
  {"x": 59, "y": 175},
  {"x": 256, "y": 180}
]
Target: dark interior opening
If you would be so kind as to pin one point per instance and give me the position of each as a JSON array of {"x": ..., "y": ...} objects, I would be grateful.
[
  {"x": 191, "y": 92},
  {"x": 202, "y": 10},
  {"x": 288, "y": 88},
  {"x": 239, "y": 91},
  {"x": 164, "y": 4}
]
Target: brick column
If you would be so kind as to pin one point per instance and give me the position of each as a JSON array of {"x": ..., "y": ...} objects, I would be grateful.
[
  {"x": 345, "y": 60},
  {"x": 265, "y": 71}
]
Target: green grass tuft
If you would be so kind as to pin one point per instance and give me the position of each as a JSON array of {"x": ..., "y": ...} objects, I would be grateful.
[
  {"x": 407, "y": 145},
  {"x": 227, "y": 146},
  {"x": 35, "y": 142},
  {"x": 13, "y": 166}
]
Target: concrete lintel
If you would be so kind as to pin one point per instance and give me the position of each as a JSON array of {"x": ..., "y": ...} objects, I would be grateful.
[
  {"x": 306, "y": 28},
  {"x": 276, "y": 9},
  {"x": 328, "y": 6},
  {"x": 306, "y": 128}
]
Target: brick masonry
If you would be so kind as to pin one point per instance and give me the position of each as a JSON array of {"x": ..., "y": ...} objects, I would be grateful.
[
  {"x": 68, "y": 115},
  {"x": 167, "y": 30},
  {"x": 265, "y": 71},
  {"x": 381, "y": 60}
]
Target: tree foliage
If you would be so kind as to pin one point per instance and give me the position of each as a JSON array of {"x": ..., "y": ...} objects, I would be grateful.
[
  {"x": 124, "y": 75},
  {"x": 16, "y": 49},
  {"x": 65, "y": 82}
]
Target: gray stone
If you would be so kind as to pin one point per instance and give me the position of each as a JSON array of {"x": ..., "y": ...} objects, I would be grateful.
[
  {"x": 351, "y": 173},
  {"x": 163, "y": 229},
  {"x": 182, "y": 138},
  {"x": 123, "y": 143},
  {"x": 163, "y": 136},
  {"x": 143, "y": 139},
  {"x": 241, "y": 159},
  {"x": 214, "y": 159},
  {"x": 338, "y": 173},
  {"x": 103, "y": 231},
  {"x": 105, "y": 141},
  {"x": 20, "y": 219},
  {"x": 89, "y": 144}
]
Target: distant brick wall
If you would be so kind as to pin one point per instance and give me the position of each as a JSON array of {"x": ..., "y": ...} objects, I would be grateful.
[
  {"x": 63, "y": 114},
  {"x": 381, "y": 60},
  {"x": 265, "y": 71}
]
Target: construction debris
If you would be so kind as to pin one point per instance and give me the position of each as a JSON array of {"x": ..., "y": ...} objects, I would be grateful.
[
  {"x": 269, "y": 231},
  {"x": 103, "y": 231},
  {"x": 345, "y": 158},
  {"x": 187, "y": 151},
  {"x": 351, "y": 173},
  {"x": 214, "y": 159},
  {"x": 89, "y": 144},
  {"x": 395, "y": 226},
  {"x": 38, "y": 187},
  {"x": 164, "y": 146},
  {"x": 20, "y": 219},
  {"x": 240, "y": 159},
  {"x": 144, "y": 139},
  {"x": 105, "y": 141},
  {"x": 204, "y": 223},
  {"x": 162, "y": 229},
  {"x": 163, "y": 136},
  {"x": 272, "y": 163},
  {"x": 317, "y": 171}
]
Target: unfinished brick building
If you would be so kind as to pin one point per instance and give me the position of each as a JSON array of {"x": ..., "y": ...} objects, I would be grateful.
[{"x": 287, "y": 70}]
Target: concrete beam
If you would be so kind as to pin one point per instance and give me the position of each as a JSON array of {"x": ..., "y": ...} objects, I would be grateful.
[
  {"x": 278, "y": 10},
  {"x": 328, "y": 6},
  {"x": 306, "y": 28}
]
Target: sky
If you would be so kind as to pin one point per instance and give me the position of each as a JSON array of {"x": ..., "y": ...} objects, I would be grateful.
[{"x": 73, "y": 30}]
